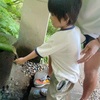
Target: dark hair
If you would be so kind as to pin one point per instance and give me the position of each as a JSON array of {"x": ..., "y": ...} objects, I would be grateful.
[{"x": 65, "y": 9}]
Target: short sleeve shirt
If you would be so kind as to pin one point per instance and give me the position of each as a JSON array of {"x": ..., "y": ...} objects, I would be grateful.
[{"x": 64, "y": 49}]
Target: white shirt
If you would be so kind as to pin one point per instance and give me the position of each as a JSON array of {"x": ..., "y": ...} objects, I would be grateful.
[
  {"x": 89, "y": 18},
  {"x": 64, "y": 49}
]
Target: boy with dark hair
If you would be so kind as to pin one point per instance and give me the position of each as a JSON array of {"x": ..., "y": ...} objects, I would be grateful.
[{"x": 63, "y": 48}]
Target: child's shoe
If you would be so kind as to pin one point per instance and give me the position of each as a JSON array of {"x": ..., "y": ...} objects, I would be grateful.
[
  {"x": 42, "y": 82},
  {"x": 43, "y": 91}
]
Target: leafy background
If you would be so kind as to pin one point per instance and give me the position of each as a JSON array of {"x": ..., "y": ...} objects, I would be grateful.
[{"x": 10, "y": 16}]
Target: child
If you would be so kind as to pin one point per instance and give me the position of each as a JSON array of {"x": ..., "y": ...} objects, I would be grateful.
[{"x": 63, "y": 48}]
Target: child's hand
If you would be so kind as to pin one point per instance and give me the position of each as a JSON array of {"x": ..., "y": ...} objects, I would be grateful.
[{"x": 20, "y": 60}]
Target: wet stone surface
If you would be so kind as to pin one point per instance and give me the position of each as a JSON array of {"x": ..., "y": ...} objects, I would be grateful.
[
  {"x": 7, "y": 93},
  {"x": 6, "y": 59},
  {"x": 19, "y": 79}
]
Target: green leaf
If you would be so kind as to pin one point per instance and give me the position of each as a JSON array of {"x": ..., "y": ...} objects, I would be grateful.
[
  {"x": 6, "y": 47},
  {"x": 3, "y": 4},
  {"x": 7, "y": 24},
  {"x": 3, "y": 39},
  {"x": 7, "y": 39}
]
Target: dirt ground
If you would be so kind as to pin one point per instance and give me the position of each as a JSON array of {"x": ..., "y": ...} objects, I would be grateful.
[{"x": 19, "y": 80}]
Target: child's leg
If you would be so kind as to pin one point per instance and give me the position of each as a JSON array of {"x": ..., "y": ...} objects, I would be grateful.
[
  {"x": 61, "y": 94},
  {"x": 52, "y": 89}
]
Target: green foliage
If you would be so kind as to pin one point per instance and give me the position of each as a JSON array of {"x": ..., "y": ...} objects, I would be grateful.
[
  {"x": 3, "y": 39},
  {"x": 51, "y": 30},
  {"x": 3, "y": 4},
  {"x": 6, "y": 47},
  {"x": 9, "y": 15},
  {"x": 6, "y": 42},
  {"x": 14, "y": 7},
  {"x": 44, "y": 60},
  {"x": 9, "y": 26}
]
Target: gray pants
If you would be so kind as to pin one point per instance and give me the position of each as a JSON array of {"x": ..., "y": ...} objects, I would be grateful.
[{"x": 58, "y": 91}]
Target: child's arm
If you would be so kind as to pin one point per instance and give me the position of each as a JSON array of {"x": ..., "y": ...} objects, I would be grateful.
[
  {"x": 22, "y": 60},
  {"x": 50, "y": 67}
]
